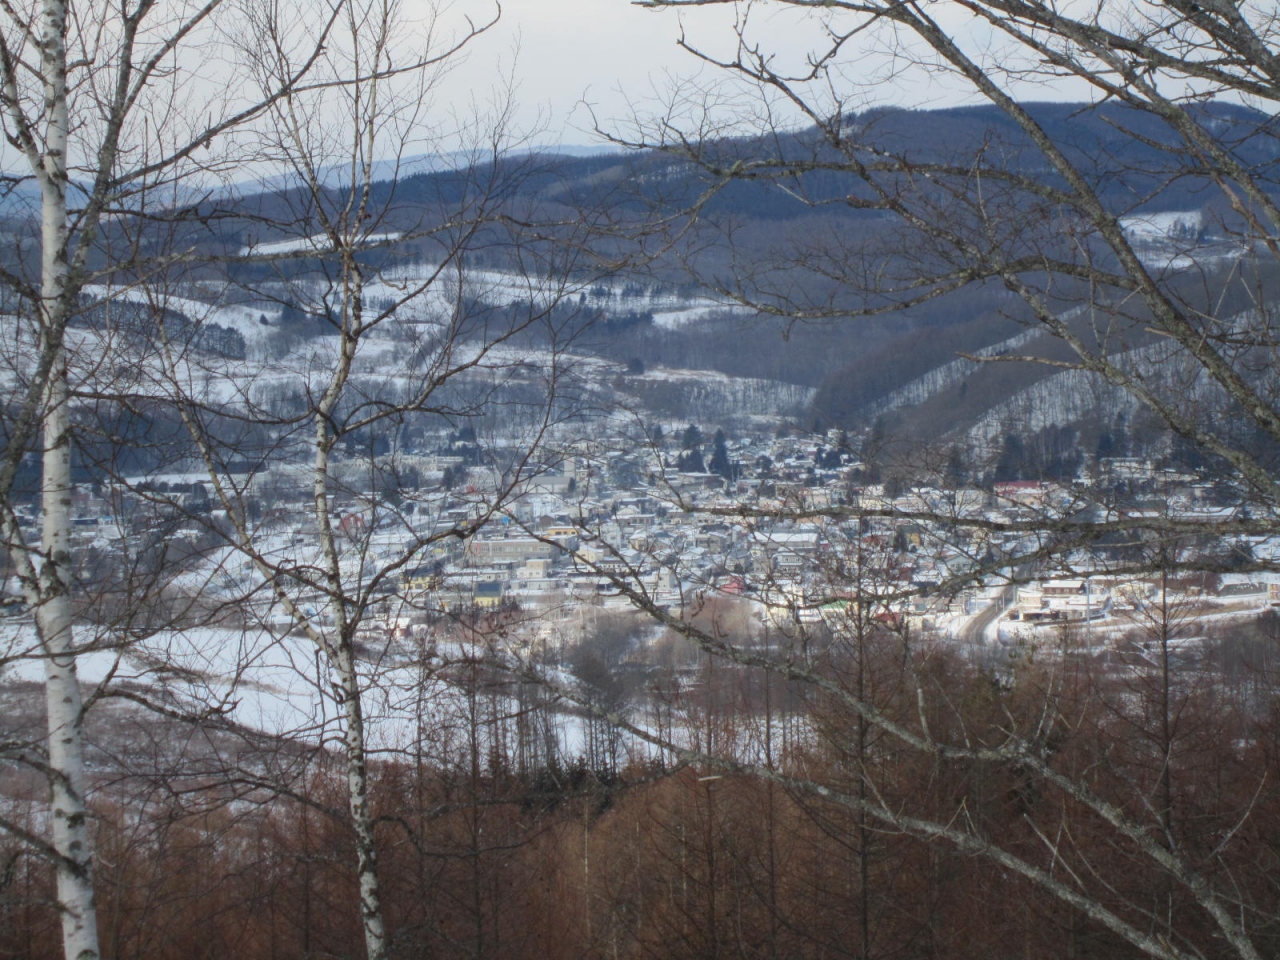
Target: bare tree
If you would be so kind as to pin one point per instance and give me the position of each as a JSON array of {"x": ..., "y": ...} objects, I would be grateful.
[
  {"x": 1027, "y": 205},
  {"x": 390, "y": 358},
  {"x": 1022, "y": 203},
  {"x": 110, "y": 132}
]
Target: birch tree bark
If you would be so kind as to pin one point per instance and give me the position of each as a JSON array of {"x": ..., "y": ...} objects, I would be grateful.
[
  {"x": 69, "y": 813},
  {"x": 399, "y": 340},
  {"x": 75, "y": 81}
]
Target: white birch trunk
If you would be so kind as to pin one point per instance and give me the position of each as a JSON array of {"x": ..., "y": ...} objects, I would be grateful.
[
  {"x": 67, "y": 779},
  {"x": 340, "y": 652},
  {"x": 375, "y": 936}
]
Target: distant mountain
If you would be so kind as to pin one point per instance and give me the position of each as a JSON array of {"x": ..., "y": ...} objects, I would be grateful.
[
  {"x": 901, "y": 369},
  {"x": 402, "y": 168},
  {"x": 1127, "y": 152}
]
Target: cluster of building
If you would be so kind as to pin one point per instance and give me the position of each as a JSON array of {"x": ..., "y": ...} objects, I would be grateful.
[{"x": 797, "y": 527}]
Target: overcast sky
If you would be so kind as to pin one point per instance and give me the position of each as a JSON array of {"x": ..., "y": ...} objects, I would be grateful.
[{"x": 613, "y": 55}]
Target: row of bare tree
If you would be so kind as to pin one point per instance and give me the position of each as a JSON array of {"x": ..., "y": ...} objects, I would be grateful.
[{"x": 832, "y": 840}]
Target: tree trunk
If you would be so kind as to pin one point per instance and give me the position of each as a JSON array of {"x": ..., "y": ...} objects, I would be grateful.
[
  {"x": 375, "y": 934},
  {"x": 64, "y": 705}
]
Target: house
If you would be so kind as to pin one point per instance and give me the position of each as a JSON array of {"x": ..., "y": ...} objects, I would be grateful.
[
  {"x": 1061, "y": 601},
  {"x": 508, "y": 550},
  {"x": 1025, "y": 493},
  {"x": 785, "y": 551},
  {"x": 488, "y": 593}
]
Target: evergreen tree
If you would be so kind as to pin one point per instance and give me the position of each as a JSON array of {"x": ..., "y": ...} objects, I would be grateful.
[
  {"x": 1107, "y": 446},
  {"x": 291, "y": 316},
  {"x": 690, "y": 461},
  {"x": 957, "y": 471},
  {"x": 720, "y": 457},
  {"x": 1013, "y": 459}
]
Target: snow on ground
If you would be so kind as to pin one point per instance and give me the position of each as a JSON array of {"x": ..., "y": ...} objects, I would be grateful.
[
  {"x": 1176, "y": 240},
  {"x": 278, "y": 683},
  {"x": 434, "y": 291},
  {"x": 672, "y": 319},
  {"x": 1169, "y": 225},
  {"x": 394, "y": 360},
  {"x": 422, "y": 293},
  {"x": 274, "y": 683},
  {"x": 502, "y": 287},
  {"x": 244, "y": 318},
  {"x": 318, "y": 243}
]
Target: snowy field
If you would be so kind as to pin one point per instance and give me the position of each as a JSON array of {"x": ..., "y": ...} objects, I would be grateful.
[
  {"x": 276, "y": 683},
  {"x": 1178, "y": 240}
]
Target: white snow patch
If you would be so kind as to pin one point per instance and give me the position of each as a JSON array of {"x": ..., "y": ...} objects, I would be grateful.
[
  {"x": 318, "y": 243},
  {"x": 671, "y": 319},
  {"x": 1169, "y": 225}
]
